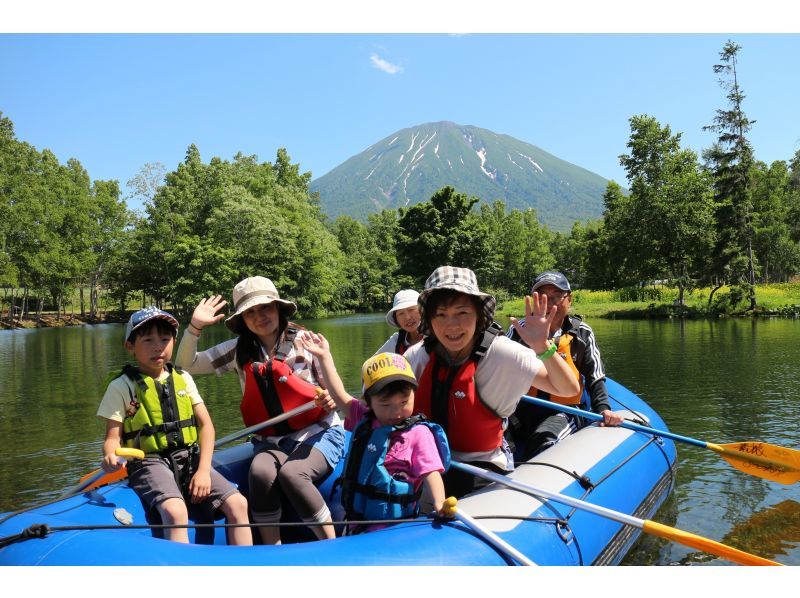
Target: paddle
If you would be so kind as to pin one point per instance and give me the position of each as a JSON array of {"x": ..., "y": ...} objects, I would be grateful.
[
  {"x": 265, "y": 424},
  {"x": 760, "y": 459},
  {"x": 450, "y": 510},
  {"x": 101, "y": 477},
  {"x": 650, "y": 527}
]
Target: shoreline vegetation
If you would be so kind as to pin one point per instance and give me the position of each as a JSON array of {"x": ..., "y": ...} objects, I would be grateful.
[
  {"x": 651, "y": 302},
  {"x": 660, "y": 302}
]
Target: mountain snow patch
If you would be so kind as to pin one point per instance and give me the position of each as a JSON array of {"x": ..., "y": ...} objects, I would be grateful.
[
  {"x": 532, "y": 161},
  {"x": 510, "y": 159},
  {"x": 413, "y": 139},
  {"x": 482, "y": 155}
]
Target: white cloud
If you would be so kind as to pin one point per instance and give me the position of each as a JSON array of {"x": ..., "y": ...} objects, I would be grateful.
[{"x": 385, "y": 65}]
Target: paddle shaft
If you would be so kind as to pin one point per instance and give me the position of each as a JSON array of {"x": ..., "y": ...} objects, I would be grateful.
[
  {"x": 651, "y": 527},
  {"x": 776, "y": 469},
  {"x": 230, "y": 438},
  {"x": 598, "y": 418},
  {"x": 270, "y": 422},
  {"x": 492, "y": 539}
]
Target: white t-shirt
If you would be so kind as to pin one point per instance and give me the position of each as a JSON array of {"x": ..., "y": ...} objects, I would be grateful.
[
  {"x": 121, "y": 392},
  {"x": 503, "y": 375},
  {"x": 391, "y": 344}
]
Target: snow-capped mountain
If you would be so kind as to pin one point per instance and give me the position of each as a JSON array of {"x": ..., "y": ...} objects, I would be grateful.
[{"x": 408, "y": 166}]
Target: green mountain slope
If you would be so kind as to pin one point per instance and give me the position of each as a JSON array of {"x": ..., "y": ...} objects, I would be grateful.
[{"x": 408, "y": 166}]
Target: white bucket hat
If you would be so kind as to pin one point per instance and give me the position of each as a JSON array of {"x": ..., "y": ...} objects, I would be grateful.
[
  {"x": 402, "y": 300},
  {"x": 459, "y": 279},
  {"x": 255, "y": 291}
]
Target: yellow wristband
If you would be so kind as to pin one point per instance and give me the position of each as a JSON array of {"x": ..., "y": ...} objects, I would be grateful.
[{"x": 549, "y": 353}]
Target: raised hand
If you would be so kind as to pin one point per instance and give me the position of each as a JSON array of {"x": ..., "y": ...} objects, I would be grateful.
[
  {"x": 538, "y": 319},
  {"x": 315, "y": 343},
  {"x": 205, "y": 314}
]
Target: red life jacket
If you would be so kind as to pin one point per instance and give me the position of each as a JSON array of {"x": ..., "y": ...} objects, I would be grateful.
[
  {"x": 272, "y": 388},
  {"x": 448, "y": 396}
]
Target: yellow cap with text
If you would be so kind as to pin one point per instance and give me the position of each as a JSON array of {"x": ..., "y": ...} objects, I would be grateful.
[{"x": 383, "y": 368}]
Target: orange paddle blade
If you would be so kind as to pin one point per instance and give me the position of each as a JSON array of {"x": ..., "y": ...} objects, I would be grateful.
[
  {"x": 108, "y": 478},
  {"x": 768, "y": 461},
  {"x": 705, "y": 544}
]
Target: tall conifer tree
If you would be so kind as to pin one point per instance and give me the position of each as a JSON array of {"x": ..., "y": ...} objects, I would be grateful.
[{"x": 731, "y": 160}]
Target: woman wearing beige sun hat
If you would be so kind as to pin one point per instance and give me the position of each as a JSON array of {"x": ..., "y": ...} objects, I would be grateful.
[
  {"x": 404, "y": 315},
  {"x": 471, "y": 376},
  {"x": 289, "y": 457}
]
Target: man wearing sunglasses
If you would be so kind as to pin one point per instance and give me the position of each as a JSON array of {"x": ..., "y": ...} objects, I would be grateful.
[{"x": 532, "y": 429}]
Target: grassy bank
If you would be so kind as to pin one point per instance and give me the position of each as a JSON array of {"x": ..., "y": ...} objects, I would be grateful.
[{"x": 781, "y": 299}]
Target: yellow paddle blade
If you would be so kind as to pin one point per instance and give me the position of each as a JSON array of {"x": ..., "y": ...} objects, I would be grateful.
[
  {"x": 763, "y": 460},
  {"x": 705, "y": 544}
]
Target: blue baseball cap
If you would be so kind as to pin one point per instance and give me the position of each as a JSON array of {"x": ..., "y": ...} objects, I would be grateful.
[
  {"x": 142, "y": 316},
  {"x": 557, "y": 279}
]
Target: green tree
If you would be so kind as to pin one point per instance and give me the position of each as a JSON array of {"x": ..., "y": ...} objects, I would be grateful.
[
  {"x": 670, "y": 206},
  {"x": 228, "y": 220},
  {"x": 520, "y": 247},
  {"x": 363, "y": 286},
  {"x": 731, "y": 161},
  {"x": 583, "y": 255},
  {"x": 777, "y": 254},
  {"x": 621, "y": 264},
  {"x": 793, "y": 198},
  {"x": 10, "y": 182},
  {"x": 383, "y": 229},
  {"x": 443, "y": 231}
]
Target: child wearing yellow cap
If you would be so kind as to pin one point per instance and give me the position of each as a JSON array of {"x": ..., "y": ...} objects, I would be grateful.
[{"x": 392, "y": 456}]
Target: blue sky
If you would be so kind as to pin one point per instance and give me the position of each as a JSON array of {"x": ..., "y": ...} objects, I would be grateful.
[{"x": 118, "y": 101}]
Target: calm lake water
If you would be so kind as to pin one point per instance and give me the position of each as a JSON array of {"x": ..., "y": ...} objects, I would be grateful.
[{"x": 717, "y": 381}]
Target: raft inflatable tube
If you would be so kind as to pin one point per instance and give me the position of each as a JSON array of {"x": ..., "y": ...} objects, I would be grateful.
[{"x": 623, "y": 470}]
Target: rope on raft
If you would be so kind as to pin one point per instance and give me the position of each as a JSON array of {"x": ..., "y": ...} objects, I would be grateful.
[{"x": 40, "y": 530}]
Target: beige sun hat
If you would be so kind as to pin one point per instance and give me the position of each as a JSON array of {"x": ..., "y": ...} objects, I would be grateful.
[
  {"x": 255, "y": 291},
  {"x": 459, "y": 279},
  {"x": 402, "y": 300}
]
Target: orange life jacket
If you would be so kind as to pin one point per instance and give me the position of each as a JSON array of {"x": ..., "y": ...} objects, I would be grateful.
[{"x": 564, "y": 350}]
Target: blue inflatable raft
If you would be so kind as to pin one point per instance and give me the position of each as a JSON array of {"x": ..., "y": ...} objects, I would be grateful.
[{"x": 627, "y": 471}]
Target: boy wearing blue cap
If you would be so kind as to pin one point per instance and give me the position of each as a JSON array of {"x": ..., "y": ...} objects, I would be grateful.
[{"x": 155, "y": 407}]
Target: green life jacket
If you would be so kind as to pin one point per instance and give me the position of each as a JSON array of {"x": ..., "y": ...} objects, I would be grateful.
[{"x": 164, "y": 418}]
